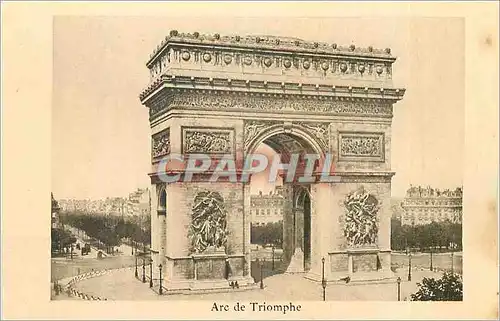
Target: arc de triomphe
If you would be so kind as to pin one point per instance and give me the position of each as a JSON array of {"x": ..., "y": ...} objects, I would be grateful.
[{"x": 222, "y": 95}]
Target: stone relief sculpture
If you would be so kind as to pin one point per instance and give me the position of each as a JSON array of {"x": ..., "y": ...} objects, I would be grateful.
[
  {"x": 209, "y": 223},
  {"x": 320, "y": 131},
  {"x": 252, "y": 129},
  {"x": 160, "y": 103},
  {"x": 211, "y": 142},
  {"x": 231, "y": 101},
  {"x": 361, "y": 145},
  {"x": 160, "y": 144},
  {"x": 360, "y": 224}
]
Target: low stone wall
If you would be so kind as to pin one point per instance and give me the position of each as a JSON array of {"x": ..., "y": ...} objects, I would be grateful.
[{"x": 396, "y": 266}]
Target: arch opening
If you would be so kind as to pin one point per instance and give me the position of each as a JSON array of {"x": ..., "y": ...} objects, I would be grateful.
[
  {"x": 280, "y": 217},
  {"x": 162, "y": 202}
]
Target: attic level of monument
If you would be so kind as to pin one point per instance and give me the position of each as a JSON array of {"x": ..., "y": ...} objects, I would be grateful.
[
  {"x": 268, "y": 64},
  {"x": 269, "y": 43}
]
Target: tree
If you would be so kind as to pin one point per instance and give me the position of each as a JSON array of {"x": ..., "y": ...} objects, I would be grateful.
[
  {"x": 448, "y": 288},
  {"x": 424, "y": 237},
  {"x": 271, "y": 233},
  {"x": 55, "y": 204},
  {"x": 60, "y": 239},
  {"x": 397, "y": 235}
]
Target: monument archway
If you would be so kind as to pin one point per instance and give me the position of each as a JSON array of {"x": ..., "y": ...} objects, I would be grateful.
[
  {"x": 296, "y": 217},
  {"x": 224, "y": 95}
]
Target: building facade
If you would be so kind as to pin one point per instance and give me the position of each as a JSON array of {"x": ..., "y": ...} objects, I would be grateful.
[
  {"x": 426, "y": 205},
  {"x": 138, "y": 203},
  {"x": 54, "y": 212},
  {"x": 267, "y": 208}
]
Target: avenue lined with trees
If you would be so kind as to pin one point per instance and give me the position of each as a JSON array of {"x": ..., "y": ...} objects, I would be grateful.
[
  {"x": 271, "y": 233},
  {"x": 109, "y": 231},
  {"x": 435, "y": 237}
]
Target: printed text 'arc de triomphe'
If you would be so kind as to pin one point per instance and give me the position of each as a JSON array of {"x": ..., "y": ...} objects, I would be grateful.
[{"x": 220, "y": 95}]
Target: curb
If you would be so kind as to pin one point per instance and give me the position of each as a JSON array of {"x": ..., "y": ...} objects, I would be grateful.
[{"x": 71, "y": 291}]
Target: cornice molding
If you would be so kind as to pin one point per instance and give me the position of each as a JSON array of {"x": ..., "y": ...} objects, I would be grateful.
[{"x": 268, "y": 88}]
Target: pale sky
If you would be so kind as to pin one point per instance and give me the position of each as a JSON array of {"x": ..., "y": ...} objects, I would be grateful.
[{"x": 101, "y": 133}]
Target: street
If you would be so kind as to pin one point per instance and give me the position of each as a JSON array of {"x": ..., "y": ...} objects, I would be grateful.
[{"x": 122, "y": 284}]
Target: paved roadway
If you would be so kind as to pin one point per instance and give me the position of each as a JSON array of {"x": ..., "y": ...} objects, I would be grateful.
[
  {"x": 122, "y": 285},
  {"x": 63, "y": 268},
  {"x": 123, "y": 249}
]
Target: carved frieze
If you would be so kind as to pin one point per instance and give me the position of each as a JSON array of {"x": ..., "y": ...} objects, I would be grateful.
[
  {"x": 361, "y": 146},
  {"x": 360, "y": 221},
  {"x": 160, "y": 103},
  {"x": 208, "y": 229},
  {"x": 223, "y": 101},
  {"x": 160, "y": 144},
  {"x": 211, "y": 140}
]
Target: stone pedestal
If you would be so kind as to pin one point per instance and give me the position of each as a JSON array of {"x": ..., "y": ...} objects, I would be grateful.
[
  {"x": 365, "y": 265},
  {"x": 210, "y": 271}
]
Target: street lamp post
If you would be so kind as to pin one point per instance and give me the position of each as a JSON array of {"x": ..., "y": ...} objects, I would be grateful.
[
  {"x": 261, "y": 264},
  {"x": 273, "y": 256},
  {"x": 323, "y": 281},
  {"x": 151, "y": 273},
  {"x": 409, "y": 266},
  {"x": 453, "y": 247},
  {"x": 452, "y": 255},
  {"x": 431, "y": 268},
  {"x": 136, "y": 274},
  {"x": 452, "y": 269},
  {"x": 143, "y": 271},
  {"x": 399, "y": 288},
  {"x": 161, "y": 289},
  {"x": 72, "y": 251}
]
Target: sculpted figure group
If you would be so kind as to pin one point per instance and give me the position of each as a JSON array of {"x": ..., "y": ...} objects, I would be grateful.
[
  {"x": 209, "y": 225},
  {"x": 361, "y": 218}
]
